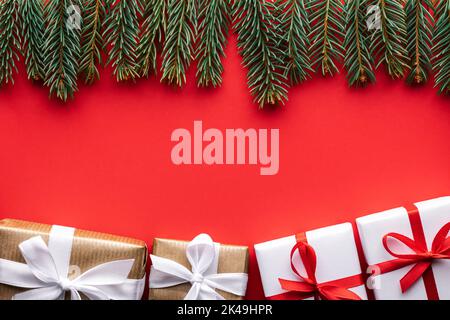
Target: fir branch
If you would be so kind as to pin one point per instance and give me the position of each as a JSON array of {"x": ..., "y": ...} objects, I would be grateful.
[
  {"x": 61, "y": 49},
  {"x": 258, "y": 42},
  {"x": 294, "y": 22},
  {"x": 9, "y": 40},
  {"x": 389, "y": 43},
  {"x": 419, "y": 33},
  {"x": 32, "y": 32},
  {"x": 327, "y": 34},
  {"x": 441, "y": 49},
  {"x": 180, "y": 38},
  {"x": 92, "y": 43},
  {"x": 214, "y": 19},
  {"x": 358, "y": 60},
  {"x": 122, "y": 33},
  {"x": 153, "y": 29}
]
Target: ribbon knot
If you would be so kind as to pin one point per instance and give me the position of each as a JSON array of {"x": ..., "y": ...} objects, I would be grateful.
[
  {"x": 65, "y": 284},
  {"x": 414, "y": 252},
  {"x": 202, "y": 255},
  {"x": 309, "y": 287}
]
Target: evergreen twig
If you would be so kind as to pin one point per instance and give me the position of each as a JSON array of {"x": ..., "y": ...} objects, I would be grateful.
[
  {"x": 441, "y": 49},
  {"x": 258, "y": 42},
  {"x": 9, "y": 40}
]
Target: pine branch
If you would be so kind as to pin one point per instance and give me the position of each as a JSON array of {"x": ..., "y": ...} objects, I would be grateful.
[
  {"x": 441, "y": 49},
  {"x": 388, "y": 45},
  {"x": 32, "y": 32},
  {"x": 94, "y": 14},
  {"x": 181, "y": 33},
  {"x": 295, "y": 29},
  {"x": 122, "y": 33},
  {"x": 326, "y": 35},
  {"x": 419, "y": 42},
  {"x": 214, "y": 19},
  {"x": 358, "y": 60},
  {"x": 258, "y": 43},
  {"x": 61, "y": 49},
  {"x": 9, "y": 40},
  {"x": 153, "y": 29}
]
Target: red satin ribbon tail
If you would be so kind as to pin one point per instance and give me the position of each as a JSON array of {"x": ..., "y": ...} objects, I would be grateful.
[
  {"x": 338, "y": 293},
  {"x": 414, "y": 274}
]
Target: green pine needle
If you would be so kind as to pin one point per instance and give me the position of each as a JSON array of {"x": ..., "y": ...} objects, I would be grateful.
[
  {"x": 388, "y": 45},
  {"x": 180, "y": 38},
  {"x": 94, "y": 13},
  {"x": 258, "y": 42},
  {"x": 61, "y": 49},
  {"x": 152, "y": 33},
  {"x": 327, "y": 34},
  {"x": 122, "y": 33},
  {"x": 419, "y": 40},
  {"x": 9, "y": 40},
  {"x": 214, "y": 20},
  {"x": 441, "y": 49},
  {"x": 358, "y": 60},
  {"x": 295, "y": 29},
  {"x": 32, "y": 31}
]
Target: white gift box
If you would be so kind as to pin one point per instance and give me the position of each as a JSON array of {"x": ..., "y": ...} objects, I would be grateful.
[
  {"x": 434, "y": 214},
  {"x": 336, "y": 253}
]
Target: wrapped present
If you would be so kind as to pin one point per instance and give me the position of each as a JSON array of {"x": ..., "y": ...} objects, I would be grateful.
[
  {"x": 408, "y": 250},
  {"x": 43, "y": 262},
  {"x": 318, "y": 264},
  {"x": 197, "y": 270}
]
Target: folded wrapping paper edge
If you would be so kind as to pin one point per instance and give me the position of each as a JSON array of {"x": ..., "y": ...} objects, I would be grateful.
[
  {"x": 179, "y": 255},
  {"x": 399, "y": 216},
  {"x": 17, "y": 231},
  {"x": 283, "y": 247}
]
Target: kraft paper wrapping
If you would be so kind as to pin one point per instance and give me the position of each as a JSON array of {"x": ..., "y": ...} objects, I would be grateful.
[
  {"x": 89, "y": 249},
  {"x": 231, "y": 259}
]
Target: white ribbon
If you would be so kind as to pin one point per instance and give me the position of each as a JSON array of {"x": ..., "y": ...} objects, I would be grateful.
[
  {"x": 45, "y": 272},
  {"x": 202, "y": 254}
]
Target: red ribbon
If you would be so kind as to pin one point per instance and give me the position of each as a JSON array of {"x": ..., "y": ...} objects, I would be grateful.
[
  {"x": 420, "y": 258},
  {"x": 309, "y": 287}
]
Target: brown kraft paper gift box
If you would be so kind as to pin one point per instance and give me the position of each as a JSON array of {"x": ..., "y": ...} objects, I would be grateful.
[
  {"x": 231, "y": 259},
  {"x": 89, "y": 249}
]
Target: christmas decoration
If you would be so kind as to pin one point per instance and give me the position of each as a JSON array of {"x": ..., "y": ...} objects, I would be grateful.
[
  {"x": 409, "y": 248},
  {"x": 171, "y": 277},
  {"x": 388, "y": 43},
  {"x": 32, "y": 32},
  {"x": 358, "y": 60},
  {"x": 92, "y": 43},
  {"x": 214, "y": 20},
  {"x": 181, "y": 34},
  {"x": 122, "y": 34},
  {"x": 327, "y": 34},
  {"x": 282, "y": 42},
  {"x": 81, "y": 263},
  {"x": 9, "y": 39},
  {"x": 419, "y": 39},
  {"x": 61, "y": 47},
  {"x": 324, "y": 276},
  {"x": 441, "y": 49},
  {"x": 258, "y": 39}
]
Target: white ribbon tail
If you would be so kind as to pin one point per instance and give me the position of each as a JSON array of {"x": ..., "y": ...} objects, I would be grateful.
[
  {"x": 167, "y": 273},
  {"x": 18, "y": 275},
  {"x": 235, "y": 283}
]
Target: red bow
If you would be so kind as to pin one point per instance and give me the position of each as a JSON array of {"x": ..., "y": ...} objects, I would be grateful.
[
  {"x": 332, "y": 290},
  {"x": 421, "y": 257}
]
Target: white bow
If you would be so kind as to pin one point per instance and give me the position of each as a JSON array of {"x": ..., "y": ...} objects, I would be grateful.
[
  {"x": 45, "y": 272},
  {"x": 202, "y": 254}
]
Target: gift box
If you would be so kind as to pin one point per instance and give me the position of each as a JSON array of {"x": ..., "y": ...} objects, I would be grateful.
[
  {"x": 408, "y": 250},
  {"x": 197, "y": 270},
  {"x": 318, "y": 264},
  {"x": 39, "y": 261}
]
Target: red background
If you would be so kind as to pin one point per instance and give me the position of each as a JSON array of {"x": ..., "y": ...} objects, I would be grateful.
[{"x": 102, "y": 162}]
